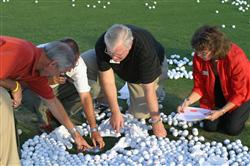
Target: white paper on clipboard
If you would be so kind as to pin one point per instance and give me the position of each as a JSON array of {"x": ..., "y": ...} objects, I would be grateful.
[{"x": 193, "y": 114}]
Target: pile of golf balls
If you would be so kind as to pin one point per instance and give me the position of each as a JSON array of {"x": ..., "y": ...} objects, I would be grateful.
[{"x": 137, "y": 147}]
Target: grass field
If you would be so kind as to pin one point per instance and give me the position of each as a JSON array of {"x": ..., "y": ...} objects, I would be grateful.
[{"x": 172, "y": 23}]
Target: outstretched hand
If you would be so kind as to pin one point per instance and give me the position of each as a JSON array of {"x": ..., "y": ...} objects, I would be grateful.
[
  {"x": 116, "y": 121},
  {"x": 81, "y": 143},
  {"x": 159, "y": 129},
  {"x": 97, "y": 139}
]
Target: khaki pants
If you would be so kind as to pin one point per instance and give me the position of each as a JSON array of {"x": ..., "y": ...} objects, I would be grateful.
[
  {"x": 138, "y": 106},
  {"x": 66, "y": 93},
  {"x": 89, "y": 57},
  {"x": 8, "y": 146}
]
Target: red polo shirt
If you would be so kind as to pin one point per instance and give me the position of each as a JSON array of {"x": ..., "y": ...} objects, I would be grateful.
[
  {"x": 234, "y": 74},
  {"x": 18, "y": 59}
]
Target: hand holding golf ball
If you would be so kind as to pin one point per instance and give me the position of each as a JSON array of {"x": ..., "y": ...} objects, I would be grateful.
[
  {"x": 81, "y": 143},
  {"x": 97, "y": 139},
  {"x": 116, "y": 121}
]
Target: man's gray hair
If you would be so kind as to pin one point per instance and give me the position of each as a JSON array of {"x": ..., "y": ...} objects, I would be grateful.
[
  {"x": 61, "y": 53},
  {"x": 116, "y": 33}
]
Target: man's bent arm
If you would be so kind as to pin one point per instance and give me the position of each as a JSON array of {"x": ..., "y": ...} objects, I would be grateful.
[
  {"x": 151, "y": 99},
  {"x": 87, "y": 104},
  {"x": 108, "y": 84},
  {"x": 58, "y": 111},
  {"x": 8, "y": 84}
]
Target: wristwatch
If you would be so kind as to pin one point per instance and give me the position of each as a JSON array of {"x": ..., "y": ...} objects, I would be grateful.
[
  {"x": 155, "y": 121},
  {"x": 93, "y": 129}
]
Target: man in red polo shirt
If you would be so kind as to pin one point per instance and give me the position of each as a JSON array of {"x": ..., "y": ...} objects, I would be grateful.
[{"x": 22, "y": 62}]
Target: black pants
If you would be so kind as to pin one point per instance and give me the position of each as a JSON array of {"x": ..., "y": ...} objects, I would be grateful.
[{"x": 231, "y": 123}]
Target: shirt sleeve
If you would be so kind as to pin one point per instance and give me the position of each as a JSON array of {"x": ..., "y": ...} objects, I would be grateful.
[
  {"x": 239, "y": 74},
  {"x": 7, "y": 55},
  {"x": 197, "y": 77},
  {"x": 80, "y": 78},
  {"x": 41, "y": 87}
]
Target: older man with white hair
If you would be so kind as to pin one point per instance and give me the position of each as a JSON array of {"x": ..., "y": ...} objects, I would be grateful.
[
  {"x": 23, "y": 63},
  {"x": 138, "y": 58},
  {"x": 69, "y": 88}
]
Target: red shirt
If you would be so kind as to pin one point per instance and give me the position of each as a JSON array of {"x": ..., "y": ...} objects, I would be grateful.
[
  {"x": 234, "y": 74},
  {"x": 18, "y": 59}
]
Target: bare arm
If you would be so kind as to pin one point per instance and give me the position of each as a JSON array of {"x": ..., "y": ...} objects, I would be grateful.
[
  {"x": 16, "y": 90},
  {"x": 227, "y": 107},
  {"x": 108, "y": 84},
  {"x": 152, "y": 103},
  {"x": 215, "y": 114},
  {"x": 151, "y": 99},
  {"x": 192, "y": 98},
  {"x": 59, "y": 113},
  {"x": 8, "y": 84},
  {"x": 87, "y": 104}
]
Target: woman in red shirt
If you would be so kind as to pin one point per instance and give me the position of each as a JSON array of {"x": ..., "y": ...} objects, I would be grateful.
[{"x": 221, "y": 73}]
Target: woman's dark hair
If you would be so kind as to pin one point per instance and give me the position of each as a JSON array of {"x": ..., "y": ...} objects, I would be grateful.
[
  {"x": 73, "y": 44},
  {"x": 211, "y": 38}
]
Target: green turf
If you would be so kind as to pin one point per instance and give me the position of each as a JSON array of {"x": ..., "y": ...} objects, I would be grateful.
[{"x": 172, "y": 23}]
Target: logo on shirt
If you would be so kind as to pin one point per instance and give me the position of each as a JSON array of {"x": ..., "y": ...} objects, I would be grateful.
[
  {"x": 205, "y": 73},
  {"x": 112, "y": 61}
]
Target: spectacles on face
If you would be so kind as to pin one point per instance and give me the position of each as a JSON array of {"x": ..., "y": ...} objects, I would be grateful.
[
  {"x": 118, "y": 56},
  {"x": 204, "y": 54},
  {"x": 108, "y": 52}
]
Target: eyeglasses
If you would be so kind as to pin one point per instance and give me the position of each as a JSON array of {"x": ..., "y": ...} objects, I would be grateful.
[
  {"x": 113, "y": 54},
  {"x": 108, "y": 52},
  {"x": 203, "y": 54}
]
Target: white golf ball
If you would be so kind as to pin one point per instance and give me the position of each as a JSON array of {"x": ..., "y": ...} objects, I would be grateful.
[{"x": 19, "y": 131}]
